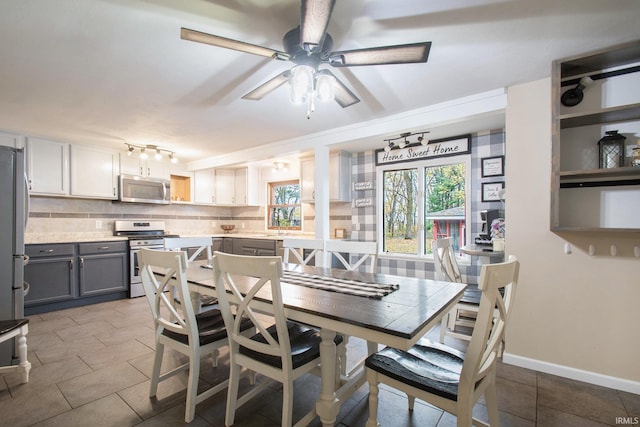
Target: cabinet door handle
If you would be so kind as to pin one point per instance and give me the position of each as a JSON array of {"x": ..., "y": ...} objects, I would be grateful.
[
  {"x": 148, "y": 171},
  {"x": 81, "y": 263},
  {"x": 103, "y": 248},
  {"x": 70, "y": 264},
  {"x": 114, "y": 191},
  {"x": 141, "y": 170},
  {"x": 46, "y": 251}
]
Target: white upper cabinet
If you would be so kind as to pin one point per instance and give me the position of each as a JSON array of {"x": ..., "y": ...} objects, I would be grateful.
[
  {"x": 10, "y": 140},
  {"x": 225, "y": 187},
  {"x": 204, "y": 185},
  {"x": 134, "y": 165},
  {"x": 48, "y": 166},
  {"x": 94, "y": 172},
  {"x": 339, "y": 178},
  {"x": 237, "y": 187}
]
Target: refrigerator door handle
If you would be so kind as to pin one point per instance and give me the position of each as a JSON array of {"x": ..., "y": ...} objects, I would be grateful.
[{"x": 27, "y": 200}]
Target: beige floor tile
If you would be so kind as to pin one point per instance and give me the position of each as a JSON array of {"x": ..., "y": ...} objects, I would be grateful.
[{"x": 109, "y": 411}]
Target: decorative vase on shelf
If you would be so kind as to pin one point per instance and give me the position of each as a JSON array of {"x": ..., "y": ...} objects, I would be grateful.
[
  {"x": 611, "y": 150},
  {"x": 635, "y": 160}
]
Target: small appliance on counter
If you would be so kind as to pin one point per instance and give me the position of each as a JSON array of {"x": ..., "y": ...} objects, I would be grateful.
[{"x": 487, "y": 216}]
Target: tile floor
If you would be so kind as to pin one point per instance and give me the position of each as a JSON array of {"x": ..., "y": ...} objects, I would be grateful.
[{"x": 91, "y": 367}]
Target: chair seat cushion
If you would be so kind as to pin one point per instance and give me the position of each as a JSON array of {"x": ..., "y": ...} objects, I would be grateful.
[
  {"x": 305, "y": 345},
  {"x": 428, "y": 366},
  {"x": 471, "y": 295},
  {"x": 210, "y": 328},
  {"x": 9, "y": 325}
]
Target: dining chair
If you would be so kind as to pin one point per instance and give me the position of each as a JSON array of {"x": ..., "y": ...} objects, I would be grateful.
[
  {"x": 357, "y": 253},
  {"x": 178, "y": 327},
  {"x": 296, "y": 247},
  {"x": 465, "y": 311},
  {"x": 443, "y": 376},
  {"x": 201, "y": 246},
  {"x": 10, "y": 330},
  {"x": 280, "y": 350}
]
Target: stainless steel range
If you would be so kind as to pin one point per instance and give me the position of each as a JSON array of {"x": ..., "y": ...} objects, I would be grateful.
[{"x": 141, "y": 234}]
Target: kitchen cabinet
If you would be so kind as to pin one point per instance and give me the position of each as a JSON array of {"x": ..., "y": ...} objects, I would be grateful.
[
  {"x": 182, "y": 186},
  {"x": 339, "y": 178},
  {"x": 102, "y": 268},
  {"x": 259, "y": 247},
  {"x": 48, "y": 166},
  {"x": 585, "y": 197},
  {"x": 204, "y": 186},
  {"x": 237, "y": 187},
  {"x": 94, "y": 172},
  {"x": 65, "y": 275},
  {"x": 50, "y": 274},
  {"x": 150, "y": 167},
  {"x": 10, "y": 140}
]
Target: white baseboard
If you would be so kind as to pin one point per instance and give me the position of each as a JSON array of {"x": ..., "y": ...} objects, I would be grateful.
[{"x": 573, "y": 373}]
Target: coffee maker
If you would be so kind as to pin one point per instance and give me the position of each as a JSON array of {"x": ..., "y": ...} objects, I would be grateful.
[{"x": 487, "y": 216}]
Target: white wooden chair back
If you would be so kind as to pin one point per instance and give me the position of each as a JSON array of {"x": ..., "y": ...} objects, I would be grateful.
[
  {"x": 444, "y": 257},
  {"x": 179, "y": 319},
  {"x": 263, "y": 273},
  {"x": 296, "y": 247},
  {"x": 488, "y": 332},
  {"x": 202, "y": 244},
  {"x": 358, "y": 253}
]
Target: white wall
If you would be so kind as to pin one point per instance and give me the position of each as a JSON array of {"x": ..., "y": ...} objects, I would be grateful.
[{"x": 575, "y": 315}]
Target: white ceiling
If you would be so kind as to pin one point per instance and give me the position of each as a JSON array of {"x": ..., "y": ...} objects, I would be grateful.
[{"x": 114, "y": 71}]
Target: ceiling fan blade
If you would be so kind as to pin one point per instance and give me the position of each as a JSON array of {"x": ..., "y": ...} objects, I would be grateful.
[
  {"x": 268, "y": 87},
  {"x": 197, "y": 36},
  {"x": 314, "y": 21},
  {"x": 343, "y": 95},
  {"x": 398, "y": 54}
]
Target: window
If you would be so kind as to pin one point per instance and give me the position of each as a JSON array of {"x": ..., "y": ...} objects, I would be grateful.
[
  {"x": 284, "y": 209},
  {"x": 426, "y": 201}
]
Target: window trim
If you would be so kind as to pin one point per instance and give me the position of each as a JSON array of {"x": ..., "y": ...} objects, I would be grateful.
[
  {"x": 420, "y": 166},
  {"x": 270, "y": 186}
]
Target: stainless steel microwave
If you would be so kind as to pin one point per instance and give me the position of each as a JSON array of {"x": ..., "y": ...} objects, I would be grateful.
[{"x": 139, "y": 189}]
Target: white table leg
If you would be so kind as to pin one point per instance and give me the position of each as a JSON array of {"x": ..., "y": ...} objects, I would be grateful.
[{"x": 328, "y": 405}]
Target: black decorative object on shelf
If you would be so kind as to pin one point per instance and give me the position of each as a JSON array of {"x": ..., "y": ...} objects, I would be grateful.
[
  {"x": 574, "y": 96},
  {"x": 611, "y": 150}
]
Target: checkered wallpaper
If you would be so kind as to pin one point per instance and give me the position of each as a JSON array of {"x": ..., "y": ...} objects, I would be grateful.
[{"x": 363, "y": 222}]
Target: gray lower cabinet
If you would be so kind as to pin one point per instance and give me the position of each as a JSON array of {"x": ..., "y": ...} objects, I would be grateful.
[
  {"x": 50, "y": 273},
  {"x": 260, "y": 247},
  {"x": 68, "y": 275},
  {"x": 103, "y": 268}
]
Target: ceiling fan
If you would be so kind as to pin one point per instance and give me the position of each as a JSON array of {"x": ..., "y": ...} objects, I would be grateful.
[{"x": 308, "y": 46}]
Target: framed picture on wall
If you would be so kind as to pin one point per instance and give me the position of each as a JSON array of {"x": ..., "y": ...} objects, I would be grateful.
[
  {"x": 491, "y": 191},
  {"x": 492, "y": 166}
]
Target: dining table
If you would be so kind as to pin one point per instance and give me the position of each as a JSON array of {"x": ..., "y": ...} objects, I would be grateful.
[{"x": 398, "y": 319}]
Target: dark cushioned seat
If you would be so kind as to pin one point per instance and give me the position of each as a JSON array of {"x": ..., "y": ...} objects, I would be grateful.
[
  {"x": 210, "y": 328},
  {"x": 305, "y": 345},
  {"x": 9, "y": 325},
  {"x": 429, "y": 366}
]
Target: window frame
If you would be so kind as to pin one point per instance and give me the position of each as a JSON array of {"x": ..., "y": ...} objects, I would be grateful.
[
  {"x": 420, "y": 166},
  {"x": 270, "y": 187}
]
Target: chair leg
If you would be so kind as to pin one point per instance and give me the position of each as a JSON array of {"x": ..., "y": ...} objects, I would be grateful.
[
  {"x": 232, "y": 394},
  {"x": 492, "y": 403},
  {"x": 192, "y": 387},
  {"x": 22, "y": 354},
  {"x": 372, "y": 378},
  {"x": 443, "y": 327},
  {"x": 287, "y": 402},
  {"x": 412, "y": 402},
  {"x": 157, "y": 364}
]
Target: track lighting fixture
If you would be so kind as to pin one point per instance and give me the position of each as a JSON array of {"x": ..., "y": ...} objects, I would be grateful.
[
  {"x": 574, "y": 96},
  {"x": 158, "y": 151},
  {"x": 404, "y": 140}
]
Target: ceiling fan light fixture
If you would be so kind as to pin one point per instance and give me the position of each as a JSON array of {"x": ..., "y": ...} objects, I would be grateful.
[
  {"x": 301, "y": 82},
  {"x": 325, "y": 87}
]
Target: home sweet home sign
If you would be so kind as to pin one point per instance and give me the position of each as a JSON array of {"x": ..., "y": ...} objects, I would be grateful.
[{"x": 445, "y": 147}]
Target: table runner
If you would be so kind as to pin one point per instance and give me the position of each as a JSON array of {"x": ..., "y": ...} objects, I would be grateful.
[{"x": 334, "y": 284}]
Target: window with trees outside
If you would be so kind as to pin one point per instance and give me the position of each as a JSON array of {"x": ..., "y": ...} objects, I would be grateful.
[
  {"x": 284, "y": 211},
  {"x": 427, "y": 201}
]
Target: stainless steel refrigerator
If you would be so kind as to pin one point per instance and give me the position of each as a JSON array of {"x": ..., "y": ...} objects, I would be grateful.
[{"x": 14, "y": 201}]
